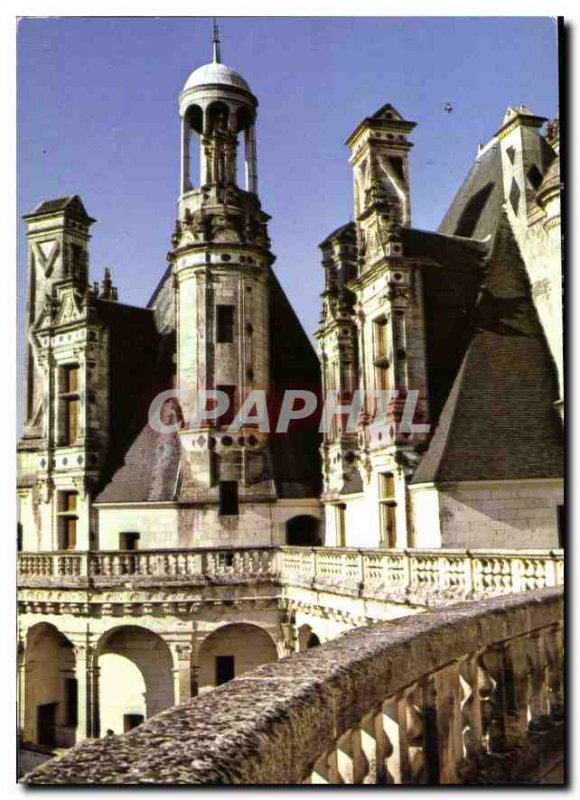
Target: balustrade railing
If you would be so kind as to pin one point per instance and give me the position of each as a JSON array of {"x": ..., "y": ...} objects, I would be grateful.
[
  {"x": 423, "y": 576},
  {"x": 220, "y": 564},
  {"x": 417, "y": 700}
]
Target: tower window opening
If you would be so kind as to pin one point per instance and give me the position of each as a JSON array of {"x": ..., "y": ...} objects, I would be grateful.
[
  {"x": 381, "y": 348},
  {"x": 388, "y": 506},
  {"x": 396, "y": 164},
  {"x": 67, "y": 520},
  {"x": 228, "y": 499},
  {"x": 70, "y": 404},
  {"x": 224, "y": 324}
]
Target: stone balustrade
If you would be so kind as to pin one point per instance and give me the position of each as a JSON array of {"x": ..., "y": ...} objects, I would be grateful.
[
  {"x": 423, "y": 577},
  {"x": 413, "y": 701},
  {"x": 153, "y": 566}
]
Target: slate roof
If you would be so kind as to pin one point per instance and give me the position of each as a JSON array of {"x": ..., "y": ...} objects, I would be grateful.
[
  {"x": 499, "y": 421},
  {"x": 149, "y": 470},
  {"x": 73, "y": 205},
  {"x": 484, "y": 179},
  {"x": 140, "y": 368},
  {"x": 293, "y": 365},
  {"x": 452, "y": 270}
]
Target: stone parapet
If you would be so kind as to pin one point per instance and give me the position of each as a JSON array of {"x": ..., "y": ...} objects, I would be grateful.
[{"x": 404, "y": 702}]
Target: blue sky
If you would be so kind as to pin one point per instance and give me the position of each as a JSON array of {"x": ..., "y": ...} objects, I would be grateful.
[{"x": 97, "y": 116}]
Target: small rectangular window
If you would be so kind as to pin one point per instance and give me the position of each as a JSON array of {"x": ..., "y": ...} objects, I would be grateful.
[
  {"x": 224, "y": 324},
  {"x": 224, "y": 669},
  {"x": 129, "y": 540},
  {"x": 67, "y": 520},
  {"x": 229, "y": 505}
]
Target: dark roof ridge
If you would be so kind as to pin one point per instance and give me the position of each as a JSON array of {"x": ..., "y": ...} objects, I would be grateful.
[
  {"x": 454, "y": 237},
  {"x": 337, "y": 231}
]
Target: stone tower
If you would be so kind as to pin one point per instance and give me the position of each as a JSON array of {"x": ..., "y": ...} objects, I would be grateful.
[
  {"x": 221, "y": 265},
  {"x": 66, "y": 425},
  {"x": 58, "y": 237},
  {"x": 372, "y": 337}
]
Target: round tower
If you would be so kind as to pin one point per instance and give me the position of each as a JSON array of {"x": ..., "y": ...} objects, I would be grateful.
[{"x": 221, "y": 263}]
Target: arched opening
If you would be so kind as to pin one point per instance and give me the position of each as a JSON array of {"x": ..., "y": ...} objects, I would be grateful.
[
  {"x": 231, "y": 650},
  {"x": 217, "y": 117},
  {"x": 135, "y": 678},
  {"x": 307, "y": 639},
  {"x": 303, "y": 531},
  {"x": 192, "y": 129},
  {"x": 51, "y": 694}
]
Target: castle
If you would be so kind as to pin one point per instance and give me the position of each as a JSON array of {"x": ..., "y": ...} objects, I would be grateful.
[{"x": 147, "y": 568}]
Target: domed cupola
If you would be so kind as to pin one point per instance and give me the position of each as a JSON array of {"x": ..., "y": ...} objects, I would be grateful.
[{"x": 216, "y": 106}]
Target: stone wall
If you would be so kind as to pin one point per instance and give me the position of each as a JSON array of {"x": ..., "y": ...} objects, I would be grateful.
[
  {"x": 518, "y": 514},
  {"x": 169, "y": 525}
]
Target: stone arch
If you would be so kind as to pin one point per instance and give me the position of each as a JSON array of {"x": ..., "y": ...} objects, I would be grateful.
[
  {"x": 50, "y": 692},
  {"x": 217, "y": 112},
  {"x": 303, "y": 531},
  {"x": 307, "y": 639},
  {"x": 231, "y": 650},
  {"x": 135, "y": 677}
]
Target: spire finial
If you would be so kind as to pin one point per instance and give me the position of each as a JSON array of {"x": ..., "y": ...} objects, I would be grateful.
[{"x": 216, "y": 43}]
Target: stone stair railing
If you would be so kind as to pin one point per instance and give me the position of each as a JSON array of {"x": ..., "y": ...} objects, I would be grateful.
[{"x": 417, "y": 700}]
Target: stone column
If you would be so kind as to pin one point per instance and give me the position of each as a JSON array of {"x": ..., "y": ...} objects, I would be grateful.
[
  {"x": 185, "y": 159},
  {"x": 21, "y": 688},
  {"x": 182, "y": 653},
  {"x": 251, "y": 159},
  {"x": 84, "y": 657}
]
